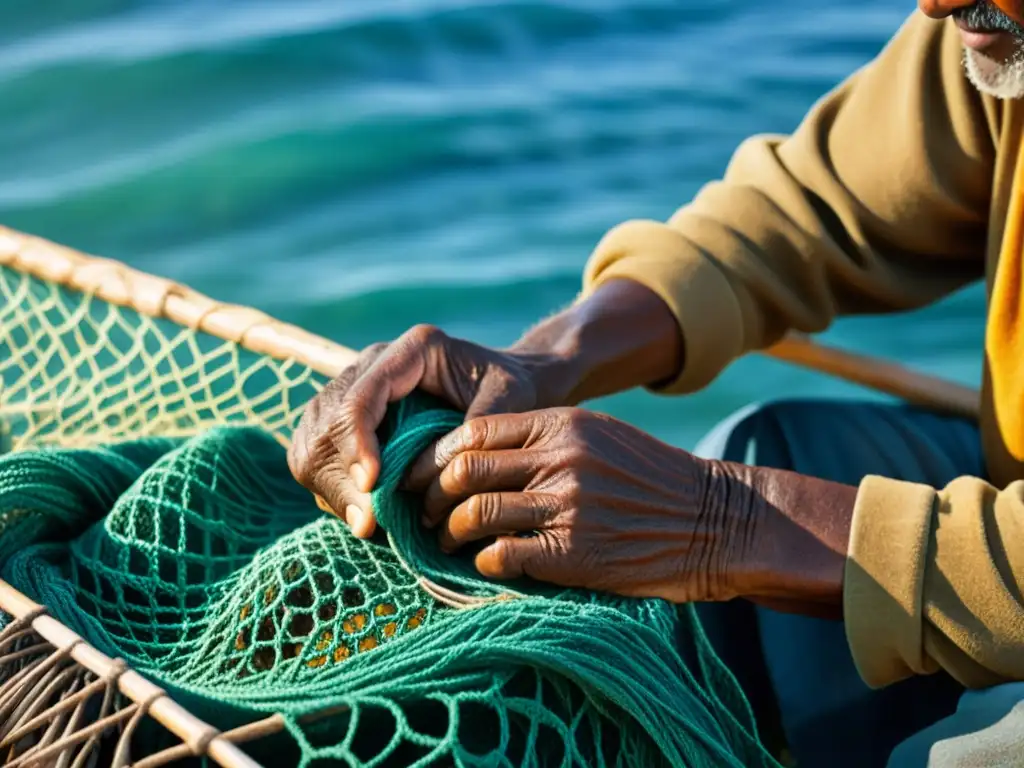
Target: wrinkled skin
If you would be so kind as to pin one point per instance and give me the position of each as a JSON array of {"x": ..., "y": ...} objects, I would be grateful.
[
  {"x": 568, "y": 496},
  {"x": 613, "y": 508},
  {"x": 334, "y": 452}
]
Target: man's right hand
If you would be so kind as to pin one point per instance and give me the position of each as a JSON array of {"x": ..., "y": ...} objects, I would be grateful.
[{"x": 334, "y": 452}]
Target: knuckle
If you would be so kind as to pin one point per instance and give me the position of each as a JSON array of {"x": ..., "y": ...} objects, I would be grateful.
[
  {"x": 352, "y": 411},
  {"x": 463, "y": 469},
  {"x": 425, "y": 334},
  {"x": 473, "y": 434},
  {"x": 558, "y": 422},
  {"x": 575, "y": 418},
  {"x": 572, "y": 492},
  {"x": 542, "y": 511},
  {"x": 482, "y": 511},
  {"x": 554, "y": 548},
  {"x": 310, "y": 452},
  {"x": 355, "y": 407},
  {"x": 565, "y": 414},
  {"x": 577, "y": 455},
  {"x": 373, "y": 351}
]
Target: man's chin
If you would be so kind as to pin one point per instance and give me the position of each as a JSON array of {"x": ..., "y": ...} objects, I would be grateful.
[{"x": 1000, "y": 79}]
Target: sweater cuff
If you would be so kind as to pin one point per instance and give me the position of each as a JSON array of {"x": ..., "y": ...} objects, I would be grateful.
[
  {"x": 884, "y": 579},
  {"x": 688, "y": 281}
]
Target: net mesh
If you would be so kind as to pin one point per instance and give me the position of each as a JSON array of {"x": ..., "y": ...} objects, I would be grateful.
[
  {"x": 147, "y": 503},
  {"x": 77, "y": 371}
]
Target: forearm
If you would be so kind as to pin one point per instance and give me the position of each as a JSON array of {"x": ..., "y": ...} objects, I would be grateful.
[
  {"x": 790, "y": 537},
  {"x": 620, "y": 337}
]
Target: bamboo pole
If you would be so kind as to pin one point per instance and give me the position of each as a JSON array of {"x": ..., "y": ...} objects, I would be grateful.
[{"x": 881, "y": 375}]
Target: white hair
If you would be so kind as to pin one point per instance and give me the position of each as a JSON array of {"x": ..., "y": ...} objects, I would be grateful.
[{"x": 1001, "y": 79}]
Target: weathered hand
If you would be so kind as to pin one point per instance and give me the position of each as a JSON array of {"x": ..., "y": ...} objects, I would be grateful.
[
  {"x": 610, "y": 507},
  {"x": 334, "y": 452}
]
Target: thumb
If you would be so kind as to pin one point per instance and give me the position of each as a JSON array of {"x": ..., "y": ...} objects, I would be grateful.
[{"x": 337, "y": 495}]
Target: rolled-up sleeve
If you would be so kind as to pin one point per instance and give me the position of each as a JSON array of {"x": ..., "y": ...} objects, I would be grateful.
[
  {"x": 934, "y": 581},
  {"x": 876, "y": 203}
]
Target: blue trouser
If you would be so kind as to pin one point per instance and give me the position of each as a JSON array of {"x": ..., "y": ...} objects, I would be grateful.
[{"x": 798, "y": 671}]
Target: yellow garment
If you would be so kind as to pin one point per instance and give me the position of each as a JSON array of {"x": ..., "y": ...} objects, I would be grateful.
[
  {"x": 894, "y": 191},
  {"x": 1004, "y": 334}
]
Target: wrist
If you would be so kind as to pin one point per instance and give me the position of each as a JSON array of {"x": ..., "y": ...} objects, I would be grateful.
[
  {"x": 555, "y": 375},
  {"x": 789, "y": 537},
  {"x": 620, "y": 337},
  {"x": 734, "y": 513}
]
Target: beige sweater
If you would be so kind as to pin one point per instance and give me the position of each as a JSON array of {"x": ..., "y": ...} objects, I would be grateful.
[{"x": 897, "y": 188}]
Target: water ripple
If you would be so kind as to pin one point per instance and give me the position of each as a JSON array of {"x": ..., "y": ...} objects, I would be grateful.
[{"x": 360, "y": 166}]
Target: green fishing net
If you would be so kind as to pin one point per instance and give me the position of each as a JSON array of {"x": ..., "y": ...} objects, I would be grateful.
[{"x": 165, "y": 528}]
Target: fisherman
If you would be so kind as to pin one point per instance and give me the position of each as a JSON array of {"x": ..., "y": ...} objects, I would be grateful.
[{"x": 859, "y": 565}]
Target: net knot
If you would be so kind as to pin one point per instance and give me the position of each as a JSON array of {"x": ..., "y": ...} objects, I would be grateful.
[
  {"x": 117, "y": 668},
  {"x": 199, "y": 743},
  {"x": 148, "y": 702},
  {"x": 65, "y": 651}
]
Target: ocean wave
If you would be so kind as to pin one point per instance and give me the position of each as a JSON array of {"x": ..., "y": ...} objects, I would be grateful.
[
  {"x": 174, "y": 29},
  {"x": 357, "y": 167}
]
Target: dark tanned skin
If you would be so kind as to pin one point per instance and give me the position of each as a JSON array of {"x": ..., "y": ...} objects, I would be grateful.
[{"x": 613, "y": 508}]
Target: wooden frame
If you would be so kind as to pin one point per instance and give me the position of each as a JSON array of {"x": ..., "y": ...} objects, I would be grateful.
[
  {"x": 52, "y": 685},
  {"x": 56, "y": 670}
]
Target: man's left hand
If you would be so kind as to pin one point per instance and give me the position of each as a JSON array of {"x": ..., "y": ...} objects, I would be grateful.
[
  {"x": 606, "y": 506},
  {"x": 580, "y": 499}
]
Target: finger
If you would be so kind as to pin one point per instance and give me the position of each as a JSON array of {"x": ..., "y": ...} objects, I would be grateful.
[
  {"x": 298, "y": 455},
  {"x": 337, "y": 496},
  {"x": 361, "y": 521},
  {"x": 314, "y": 463},
  {"x": 311, "y": 446},
  {"x": 476, "y": 472},
  {"x": 425, "y": 469},
  {"x": 511, "y": 557},
  {"x": 488, "y": 433},
  {"x": 393, "y": 376},
  {"x": 495, "y": 514}
]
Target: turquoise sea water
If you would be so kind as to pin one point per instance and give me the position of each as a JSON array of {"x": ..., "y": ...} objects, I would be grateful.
[{"x": 358, "y": 166}]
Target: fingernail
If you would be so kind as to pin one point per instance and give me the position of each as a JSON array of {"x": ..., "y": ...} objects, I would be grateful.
[
  {"x": 359, "y": 477},
  {"x": 352, "y": 515}
]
